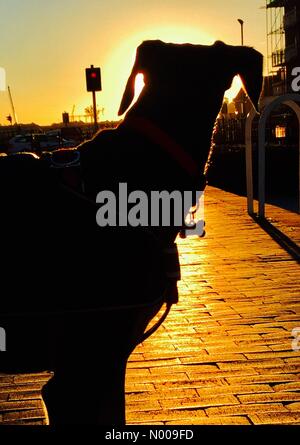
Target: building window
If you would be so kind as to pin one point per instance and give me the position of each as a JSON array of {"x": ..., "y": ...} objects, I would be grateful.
[{"x": 280, "y": 132}]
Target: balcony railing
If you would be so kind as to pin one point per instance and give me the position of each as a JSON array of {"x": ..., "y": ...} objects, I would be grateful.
[{"x": 278, "y": 58}]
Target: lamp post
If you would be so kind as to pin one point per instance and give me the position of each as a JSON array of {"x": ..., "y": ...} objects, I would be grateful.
[{"x": 241, "y": 22}]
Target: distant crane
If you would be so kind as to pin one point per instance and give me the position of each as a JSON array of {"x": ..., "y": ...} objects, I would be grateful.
[{"x": 12, "y": 105}]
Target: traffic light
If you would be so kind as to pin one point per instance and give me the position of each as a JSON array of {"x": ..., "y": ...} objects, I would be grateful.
[{"x": 93, "y": 79}]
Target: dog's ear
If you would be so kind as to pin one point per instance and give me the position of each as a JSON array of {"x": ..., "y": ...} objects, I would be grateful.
[
  {"x": 146, "y": 55},
  {"x": 128, "y": 94},
  {"x": 248, "y": 63}
]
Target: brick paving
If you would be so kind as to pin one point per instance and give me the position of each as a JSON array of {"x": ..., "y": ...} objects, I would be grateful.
[{"x": 224, "y": 355}]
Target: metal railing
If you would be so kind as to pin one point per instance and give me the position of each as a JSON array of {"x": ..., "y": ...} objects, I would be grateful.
[{"x": 291, "y": 101}]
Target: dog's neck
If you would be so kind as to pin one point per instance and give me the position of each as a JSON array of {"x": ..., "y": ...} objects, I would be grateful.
[{"x": 191, "y": 129}]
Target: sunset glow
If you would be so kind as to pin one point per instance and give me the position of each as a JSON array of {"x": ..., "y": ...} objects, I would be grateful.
[
  {"x": 235, "y": 88},
  {"x": 45, "y": 50},
  {"x": 139, "y": 84}
]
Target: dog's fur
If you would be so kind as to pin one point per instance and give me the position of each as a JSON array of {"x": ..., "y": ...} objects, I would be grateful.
[{"x": 56, "y": 258}]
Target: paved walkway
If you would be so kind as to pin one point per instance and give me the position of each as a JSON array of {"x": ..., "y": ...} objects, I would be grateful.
[{"x": 224, "y": 355}]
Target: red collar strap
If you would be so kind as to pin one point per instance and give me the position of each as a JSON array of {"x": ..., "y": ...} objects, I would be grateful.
[{"x": 161, "y": 138}]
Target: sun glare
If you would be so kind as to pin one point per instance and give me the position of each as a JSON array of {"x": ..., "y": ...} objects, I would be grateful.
[
  {"x": 117, "y": 64},
  {"x": 234, "y": 89},
  {"x": 139, "y": 84}
]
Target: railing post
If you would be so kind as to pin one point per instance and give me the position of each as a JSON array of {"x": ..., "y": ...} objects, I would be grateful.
[
  {"x": 262, "y": 162},
  {"x": 296, "y": 109},
  {"x": 249, "y": 159},
  {"x": 291, "y": 101}
]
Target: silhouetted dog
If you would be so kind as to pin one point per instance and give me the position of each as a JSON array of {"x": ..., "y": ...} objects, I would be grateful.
[{"x": 87, "y": 292}]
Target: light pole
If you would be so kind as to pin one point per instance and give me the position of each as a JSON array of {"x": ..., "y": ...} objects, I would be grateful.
[{"x": 241, "y": 22}]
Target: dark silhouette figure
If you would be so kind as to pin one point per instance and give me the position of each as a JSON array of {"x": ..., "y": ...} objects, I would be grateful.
[{"x": 76, "y": 298}]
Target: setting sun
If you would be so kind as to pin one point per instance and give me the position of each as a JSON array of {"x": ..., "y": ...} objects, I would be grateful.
[
  {"x": 106, "y": 35},
  {"x": 118, "y": 62}
]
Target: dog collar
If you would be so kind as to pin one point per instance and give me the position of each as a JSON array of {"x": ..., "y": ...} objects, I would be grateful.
[
  {"x": 66, "y": 164},
  {"x": 165, "y": 141}
]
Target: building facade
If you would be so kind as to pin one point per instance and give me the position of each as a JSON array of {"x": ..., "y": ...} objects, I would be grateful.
[{"x": 283, "y": 37}]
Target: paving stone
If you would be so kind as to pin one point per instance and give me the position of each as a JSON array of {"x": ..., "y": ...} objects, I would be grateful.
[
  {"x": 286, "y": 368},
  {"x": 245, "y": 409},
  {"x": 179, "y": 376},
  {"x": 268, "y": 378},
  {"x": 179, "y": 415},
  {"x": 293, "y": 360},
  {"x": 20, "y": 388},
  {"x": 278, "y": 418},
  {"x": 203, "y": 382},
  {"x": 271, "y": 354},
  {"x": 168, "y": 394},
  {"x": 198, "y": 374},
  {"x": 4, "y": 378},
  {"x": 19, "y": 405},
  {"x": 32, "y": 378},
  {"x": 236, "y": 389},
  {"x": 180, "y": 368},
  {"x": 26, "y": 422},
  {"x": 295, "y": 406},
  {"x": 145, "y": 405},
  {"x": 290, "y": 386},
  {"x": 237, "y": 349},
  {"x": 199, "y": 402},
  {"x": 270, "y": 397},
  {"x": 272, "y": 363},
  {"x": 10, "y": 417},
  {"x": 213, "y": 358},
  {"x": 223, "y": 356},
  {"x": 138, "y": 387},
  {"x": 28, "y": 395},
  {"x": 149, "y": 363},
  {"x": 234, "y": 420},
  {"x": 141, "y": 372}
]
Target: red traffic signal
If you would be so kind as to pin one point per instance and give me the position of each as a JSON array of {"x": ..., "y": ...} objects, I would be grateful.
[{"x": 93, "y": 79}]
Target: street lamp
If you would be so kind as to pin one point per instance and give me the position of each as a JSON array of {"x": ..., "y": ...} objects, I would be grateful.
[{"x": 241, "y": 22}]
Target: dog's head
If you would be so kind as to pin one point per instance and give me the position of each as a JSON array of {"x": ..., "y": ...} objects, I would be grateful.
[{"x": 196, "y": 72}]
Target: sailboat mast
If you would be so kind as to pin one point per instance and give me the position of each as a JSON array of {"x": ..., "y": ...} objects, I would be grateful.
[{"x": 12, "y": 106}]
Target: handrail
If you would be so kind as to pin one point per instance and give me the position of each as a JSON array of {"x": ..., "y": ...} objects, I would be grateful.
[
  {"x": 249, "y": 163},
  {"x": 291, "y": 101}
]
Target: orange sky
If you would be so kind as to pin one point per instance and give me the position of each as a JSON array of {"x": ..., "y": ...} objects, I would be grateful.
[{"x": 45, "y": 46}]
